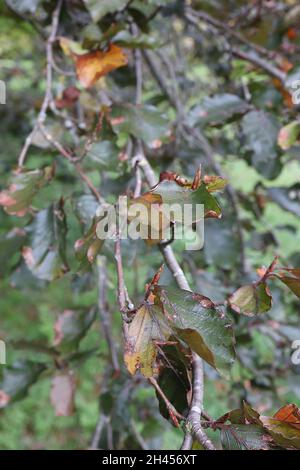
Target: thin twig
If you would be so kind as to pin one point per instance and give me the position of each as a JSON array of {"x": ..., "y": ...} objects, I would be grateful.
[
  {"x": 98, "y": 431},
  {"x": 156, "y": 72},
  {"x": 125, "y": 304},
  {"x": 88, "y": 181},
  {"x": 251, "y": 56},
  {"x": 194, "y": 428},
  {"x": 171, "y": 260},
  {"x": 104, "y": 313},
  {"x": 138, "y": 435},
  {"x": 72, "y": 159},
  {"x": 174, "y": 414},
  {"x": 182, "y": 282},
  {"x": 46, "y": 134},
  {"x": 259, "y": 62},
  {"x": 138, "y": 182},
  {"x": 48, "y": 93},
  {"x": 190, "y": 14}
]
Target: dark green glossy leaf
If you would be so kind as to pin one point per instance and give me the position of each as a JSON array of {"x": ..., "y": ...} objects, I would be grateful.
[
  {"x": 199, "y": 324},
  {"x": 103, "y": 155},
  {"x": 143, "y": 41},
  {"x": 85, "y": 208},
  {"x": 70, "y": 327},
  {"x": 24, "y": 6},
  {"x": 17, "y": 379},
  {"x": 143, "y": 122},
  {"x": 218, "y": 109},
  {"x": 174, "y": 380},
  {"x": 45, "y": 255},
  {"x": 261, "y": 130},
  {"x": 221, "y": 243},
  {"x": 170, "y": 193},
  {"x": 98, "y": 8},
  {"x": 10, "y": 245}
]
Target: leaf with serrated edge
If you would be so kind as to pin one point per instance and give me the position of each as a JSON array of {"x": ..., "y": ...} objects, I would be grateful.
[{"x": 198, "y": 323}]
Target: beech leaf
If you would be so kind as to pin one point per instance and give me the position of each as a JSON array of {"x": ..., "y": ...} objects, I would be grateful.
[
  {"x": 195, "y": 320},
  {"x": 24, "y": 186},
  {"x": 94, "y": 65},
  {"x": 70, "y": 328},
  {"x": 147, "y": 326},
  {"x": 291, "y": 280},
  {"x": 17, "y": 379},
  {"x": 45, "y": 255},
  {"x": 251, "y": 299}
]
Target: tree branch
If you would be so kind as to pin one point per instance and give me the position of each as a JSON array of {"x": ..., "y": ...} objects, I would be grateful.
[
  {"x": 194, "y": 416},
  {"x": 198, "y": 136},
  {"x": 182, "y": 282},
  {"x": 125, "y": 304},
  {"x": 104, "y": 313},
  {"x": 259, "y": 62},
  {"x": 252, "y": 57},
  {"x": 173, "y": 264},
  {"x": 48, "y": 93},
  {"x": 191, "y": 13}
]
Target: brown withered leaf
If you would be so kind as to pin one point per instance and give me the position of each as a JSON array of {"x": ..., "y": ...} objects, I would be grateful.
[
  {"x": 62, "y": 393},
  {"x": 291, "y": 278},
  {"x": 94, "y": 65},
  {"x": 284, "y": 426},
  {"x": 289, "y": 414},
  {"x": 69, "y": 96}
]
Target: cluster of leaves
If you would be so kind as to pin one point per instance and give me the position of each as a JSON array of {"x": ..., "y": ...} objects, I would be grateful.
[
  {"x": 210, "y": 100},
  {"x": 248, "y": 430}
]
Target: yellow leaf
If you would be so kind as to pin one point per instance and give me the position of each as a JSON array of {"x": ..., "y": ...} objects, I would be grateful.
[{"x": 147, "y": 326}]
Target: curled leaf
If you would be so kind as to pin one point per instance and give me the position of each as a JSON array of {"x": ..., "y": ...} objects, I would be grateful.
[
  {"x": 291, "y": 278},
  {"x": 251, "y": 299}
]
